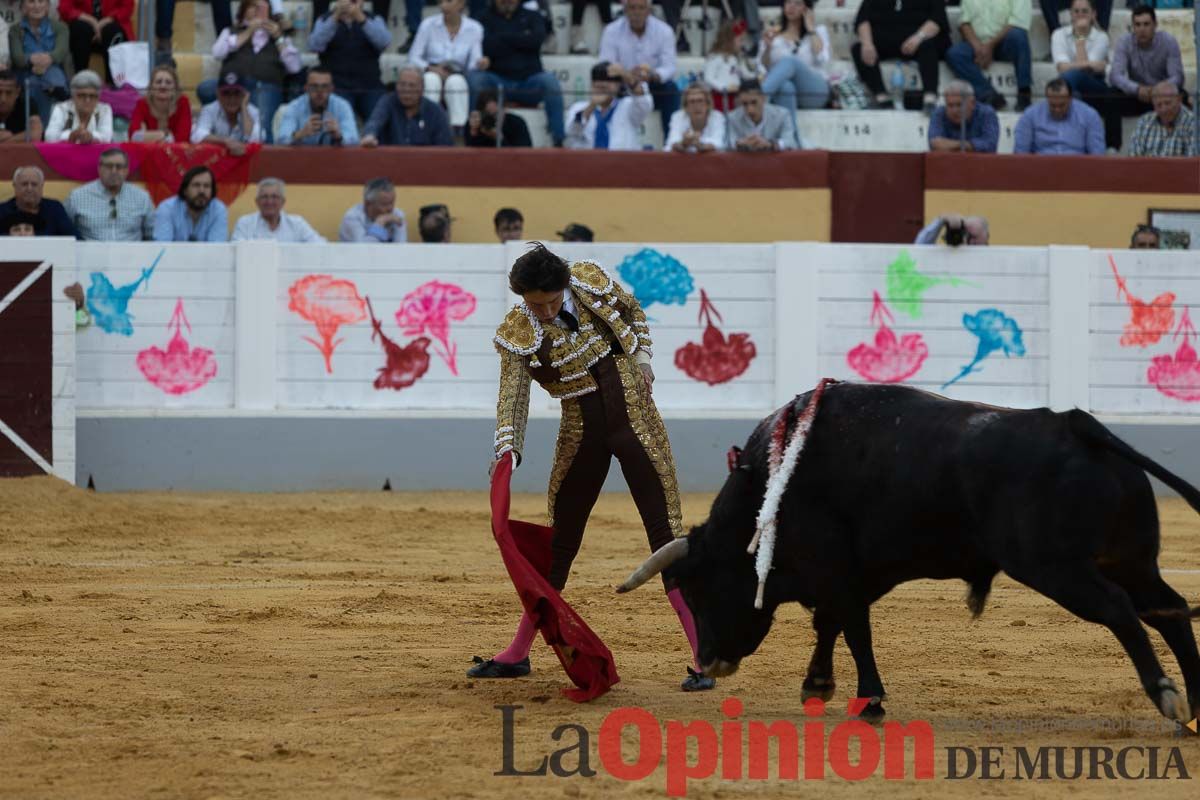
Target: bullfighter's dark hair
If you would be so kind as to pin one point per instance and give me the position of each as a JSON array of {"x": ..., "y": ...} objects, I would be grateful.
[
  {"x": 190, "y": 175},
  {"x": 539, "y": 270}
]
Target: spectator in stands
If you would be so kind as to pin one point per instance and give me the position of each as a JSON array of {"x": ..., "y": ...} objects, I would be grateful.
[
  {"x": 28, "y": 183},
  {"x": 481, "y": 124},
  {"x": 509, "y": 224},
  {"x": 434, "y": 224},
  {"x": 447, "y": 47},
  {"x": 83, "y": 119},
  {"x": 758, "y": 127},
  {"x": 257, "y": 50},
  {"x": 376, "y": 219},
  {"x": 110, "y": 209},
  {"x": 1060, "y": 125},
  {"x": 697, "y": 127},
  {"x": 319, "y": 116},
  {"x": 1050, "y": 9},
  {"x": 994, "y": 30},
  {"x": 512, "y": 44},
  {"x": 13, "y": 125},
  {"x": 578, "y": 45},
  {"x": 1168, "y": 130},
  {"x": 959, "y": 230},
  {"x": 405, "y": 118},
  {"x": 271, "y": 221},
  {"x": 914, "y": 29},
  {"x": 1143, "y": 59},
  {"x": 231, "y": 119},
  {"x": 164, "y": 20},
  {"x": 607, "y": 121},
  {"x": 350, "y": 41},
  {"x": 195, "y": 213},
  {"x": 962, "y": 125},
  {"x": 1080, "y": 52},
  {"x": 95, "y": 26},
  {"x": 644, "y": 46},
  {"x": 39, "y": 49},
  {"x": 163, "y": 115},
  {"x": 20, "y": 223},
  {"x": 1146, "y": 237},
  {"x": 794, "y": 59},
  {"x": 574, "y": 232},
  {"x": 728, "y": 65}
]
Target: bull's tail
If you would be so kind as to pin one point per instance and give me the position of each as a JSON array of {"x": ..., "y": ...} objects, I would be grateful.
[{"x": 1088, "y": 428}]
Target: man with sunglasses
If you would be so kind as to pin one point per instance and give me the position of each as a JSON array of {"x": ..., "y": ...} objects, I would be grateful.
[
  {"x": 110, "y": 209},
  {"x": 28, "y": 185}
]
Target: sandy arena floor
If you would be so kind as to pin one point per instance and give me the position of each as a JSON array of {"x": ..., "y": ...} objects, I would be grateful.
[{"x": 314, "y": 646}]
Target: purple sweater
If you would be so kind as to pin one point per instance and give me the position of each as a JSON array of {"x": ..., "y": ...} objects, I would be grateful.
[{"x": 1134, "y": 66}]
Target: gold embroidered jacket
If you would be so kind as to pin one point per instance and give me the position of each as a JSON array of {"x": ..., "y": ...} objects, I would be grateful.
[{"x": 610, "y": 320}]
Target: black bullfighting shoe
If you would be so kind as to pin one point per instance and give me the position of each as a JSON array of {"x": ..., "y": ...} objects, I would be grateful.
[
  {"x": 695, "y": 682},
  {"x": 496, "y": 669}
]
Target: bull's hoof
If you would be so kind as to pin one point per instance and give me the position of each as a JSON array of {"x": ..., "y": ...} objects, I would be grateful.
[
  {"x": 873, "y": 711},
  {"x": 1171, "y": 702},
  {"x": 819, "y": 688}
]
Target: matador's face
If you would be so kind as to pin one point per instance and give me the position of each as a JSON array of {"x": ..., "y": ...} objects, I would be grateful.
[{"x": 544, "y": 305}]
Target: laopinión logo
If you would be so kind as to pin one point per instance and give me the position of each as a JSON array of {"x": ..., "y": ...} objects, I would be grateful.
[{"x": 742, "y": 751}]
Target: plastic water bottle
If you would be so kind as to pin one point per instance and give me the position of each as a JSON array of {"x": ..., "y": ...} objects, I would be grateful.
[
  {"x": 898, "y": 85},
  {"x": 580, "y": 89}
]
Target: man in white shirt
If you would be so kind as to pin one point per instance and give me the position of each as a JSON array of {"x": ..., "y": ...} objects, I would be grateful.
[
  {"x": 230, "y": 120},
  {"x": 270, "y": 221},
  {"x": 645, "y": 47},
  {"x": 606, "y": 121}
]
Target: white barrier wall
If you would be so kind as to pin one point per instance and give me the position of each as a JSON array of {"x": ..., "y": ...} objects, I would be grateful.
[{"x": 738, "y": 329}]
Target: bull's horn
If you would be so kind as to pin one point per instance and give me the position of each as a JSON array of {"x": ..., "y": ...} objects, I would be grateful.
[{"x": 656, "y": 563}]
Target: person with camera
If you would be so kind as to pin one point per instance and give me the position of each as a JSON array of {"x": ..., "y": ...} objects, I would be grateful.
[
  {"x": 257, "y": 50},
  {"x": 958, "y": 230},
  {"x": 482, "y": 125},
  {"x": 318, "y": 117},
  {"x": 349, "y": 42},
  {"x": 606, "y": 121}
]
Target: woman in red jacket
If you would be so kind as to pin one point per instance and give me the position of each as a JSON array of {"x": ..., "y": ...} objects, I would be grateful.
[
  {"x": 163, "y": 114},
  {"x": 96, "y": 25}
]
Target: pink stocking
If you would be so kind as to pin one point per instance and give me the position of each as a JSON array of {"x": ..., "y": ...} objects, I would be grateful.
[
  {"x": 685, "y": 619},
  {"x": 521, "y": 643}
]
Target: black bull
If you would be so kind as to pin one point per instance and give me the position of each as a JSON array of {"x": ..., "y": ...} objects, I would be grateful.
[{"x": 896, "y": 484}]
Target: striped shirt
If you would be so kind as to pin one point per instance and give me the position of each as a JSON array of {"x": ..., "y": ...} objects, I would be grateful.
[
  {"x": 1152, "y": 138},
  {"x": 99, "y": 216}
]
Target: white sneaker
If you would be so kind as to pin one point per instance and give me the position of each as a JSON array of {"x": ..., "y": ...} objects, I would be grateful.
[{"x": 578, "y": 45}]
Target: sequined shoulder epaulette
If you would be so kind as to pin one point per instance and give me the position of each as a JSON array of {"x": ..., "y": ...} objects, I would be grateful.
[
  {"x": 519, "y": 333},
  {"x": 590, "y": 277}
]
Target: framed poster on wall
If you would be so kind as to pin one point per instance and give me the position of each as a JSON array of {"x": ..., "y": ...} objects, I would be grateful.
[{"x": 1180, "y": 227}]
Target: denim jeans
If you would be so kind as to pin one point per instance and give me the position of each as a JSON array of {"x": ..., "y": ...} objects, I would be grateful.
[
  {"x": 541, "y": 87},
  {"x": 266, "y": 97},
  {"x": 45, "y": 90},
  {"x": 1014, "y": 47},
  {"x": 361, "y": 100},
  {"x": 793, "y": 84}
]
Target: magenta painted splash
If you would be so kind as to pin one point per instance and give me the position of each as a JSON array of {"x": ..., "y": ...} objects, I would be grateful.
[
  {"x": 716, "y": 359},
  {"x": 1148, "y": 322},
  {"x": 404, "y": 364},
  {"x": 1178, "y": 376},
  {"x": 889, "y": 360},
  {"x": 180, "y": 368},
  {"x": 430, "y": 308},
  {"x": 328, "y": 303}
]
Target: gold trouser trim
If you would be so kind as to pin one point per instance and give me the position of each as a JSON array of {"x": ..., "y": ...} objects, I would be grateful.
[
  {"x": 647, "y": 424},
  {"x": 570, "y": 436}
]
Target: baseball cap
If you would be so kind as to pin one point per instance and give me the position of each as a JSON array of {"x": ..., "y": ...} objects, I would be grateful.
[
  {"x": 231, "y": 81},
  {"x": 574, "y": 232}
]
